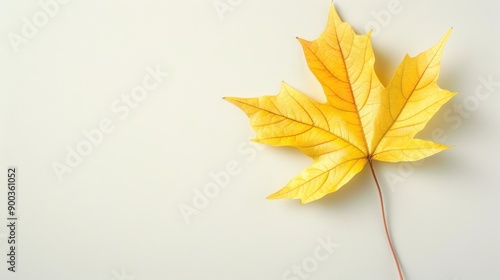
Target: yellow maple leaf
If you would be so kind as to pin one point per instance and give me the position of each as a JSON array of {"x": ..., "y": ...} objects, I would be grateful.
[{"x": 361, "y": 119}]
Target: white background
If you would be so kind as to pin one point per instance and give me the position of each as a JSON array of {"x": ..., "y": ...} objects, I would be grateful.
[{"x": 116, "y": 215}]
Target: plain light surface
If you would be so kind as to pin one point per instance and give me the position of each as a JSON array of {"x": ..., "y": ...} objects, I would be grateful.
[{"x": 117, "y": 215}]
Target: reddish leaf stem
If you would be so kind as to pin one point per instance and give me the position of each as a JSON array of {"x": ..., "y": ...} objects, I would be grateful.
[{"x": 385, "y": 222}]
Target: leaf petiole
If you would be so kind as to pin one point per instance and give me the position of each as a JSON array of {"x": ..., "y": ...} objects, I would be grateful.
[{"x": 394, "y": 254}]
